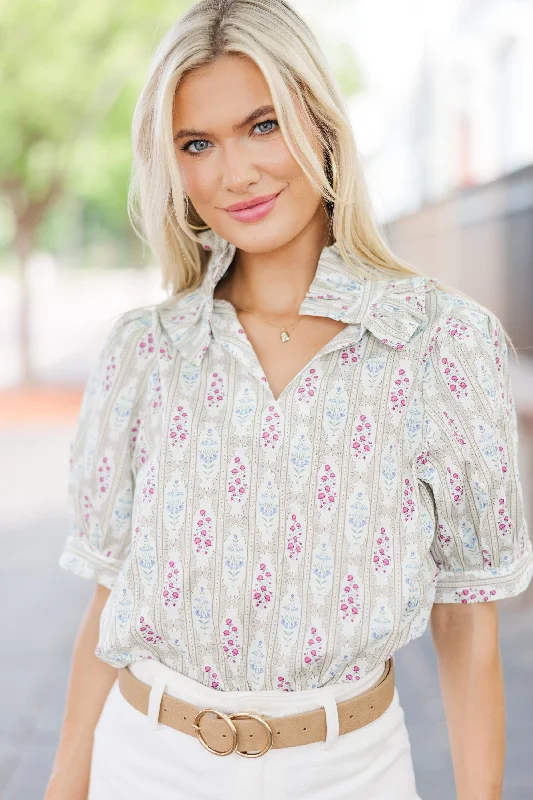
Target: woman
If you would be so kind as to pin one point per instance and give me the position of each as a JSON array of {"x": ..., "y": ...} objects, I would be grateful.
[{"x": 287, "y": 469}]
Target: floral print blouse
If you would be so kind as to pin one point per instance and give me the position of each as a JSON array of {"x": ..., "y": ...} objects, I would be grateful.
[{"x": 260, "y": 543}]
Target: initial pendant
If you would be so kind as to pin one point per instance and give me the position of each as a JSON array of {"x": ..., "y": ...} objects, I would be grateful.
[{"x": 284, "y": 336}]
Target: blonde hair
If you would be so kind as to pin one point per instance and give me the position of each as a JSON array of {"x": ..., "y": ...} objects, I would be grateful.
[{"x": 303, "y": 87}]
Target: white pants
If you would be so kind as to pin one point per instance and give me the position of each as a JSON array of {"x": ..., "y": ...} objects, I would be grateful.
[{"x": 137, "y": 758}]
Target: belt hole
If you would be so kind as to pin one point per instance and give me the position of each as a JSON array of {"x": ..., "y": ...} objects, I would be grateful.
[
  {"x": 278, "y": 731},
  {"x": 371, "y": 706},
  {"x": 305, "y": 729},
  {"x": 351, "y": 715}
]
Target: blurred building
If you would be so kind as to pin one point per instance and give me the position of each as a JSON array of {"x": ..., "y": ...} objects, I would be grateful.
[
  {"x": 450, "y": 168},
  {"x": 463, "y": 108}
]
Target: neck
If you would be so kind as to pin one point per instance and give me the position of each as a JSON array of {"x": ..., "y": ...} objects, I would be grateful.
[{"x": 274, "y": 282}]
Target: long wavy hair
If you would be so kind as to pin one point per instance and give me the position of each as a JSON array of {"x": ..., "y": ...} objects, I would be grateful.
[{"x": 273, "y": 35}]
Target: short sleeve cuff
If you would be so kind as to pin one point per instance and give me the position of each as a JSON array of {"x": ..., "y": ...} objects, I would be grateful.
[
  {"x": 88, "y": 565},
  {"x": 475, "y": 586}
]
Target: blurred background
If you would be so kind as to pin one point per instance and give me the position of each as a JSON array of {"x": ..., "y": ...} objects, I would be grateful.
[{"x": 441, "y": 97}]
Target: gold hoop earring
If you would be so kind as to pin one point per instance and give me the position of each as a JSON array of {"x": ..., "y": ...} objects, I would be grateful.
[
  {"x": 191, "y": 226},
  {"x": 198, "y": 227}
]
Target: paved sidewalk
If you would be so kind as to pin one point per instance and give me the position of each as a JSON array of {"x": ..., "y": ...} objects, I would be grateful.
[{"x": 43, "y": 606}]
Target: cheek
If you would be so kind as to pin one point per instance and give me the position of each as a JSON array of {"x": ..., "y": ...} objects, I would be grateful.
[{"x": 197, "y": 178}]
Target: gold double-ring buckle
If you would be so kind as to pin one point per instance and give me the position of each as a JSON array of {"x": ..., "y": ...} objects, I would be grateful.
[{"x": 228, "y": 719}]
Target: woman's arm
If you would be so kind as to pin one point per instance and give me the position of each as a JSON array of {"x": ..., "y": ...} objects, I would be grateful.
[
  {"x": 89, "y": 684},
  {"x": 471, "y": 678}
]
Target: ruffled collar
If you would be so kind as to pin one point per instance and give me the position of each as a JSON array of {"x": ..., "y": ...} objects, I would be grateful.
[{"x": 391, "y": 310}]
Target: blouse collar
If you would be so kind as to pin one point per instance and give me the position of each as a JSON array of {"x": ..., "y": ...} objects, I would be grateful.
[{"x": 391, "y": 310}]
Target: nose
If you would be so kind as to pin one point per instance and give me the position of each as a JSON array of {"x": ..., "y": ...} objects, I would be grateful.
[{"x": 238, "y": 171}]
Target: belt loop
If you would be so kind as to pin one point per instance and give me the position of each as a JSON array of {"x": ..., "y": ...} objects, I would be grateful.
[
  {"x": 332, "y": 719},
  {"x": 154, "y": 702}
]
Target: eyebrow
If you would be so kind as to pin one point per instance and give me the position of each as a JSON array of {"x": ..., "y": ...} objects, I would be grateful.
[{"x": 259, "y": 112}]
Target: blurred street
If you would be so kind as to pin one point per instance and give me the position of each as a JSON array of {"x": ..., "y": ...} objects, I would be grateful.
[{"x": 43, "y": 607}]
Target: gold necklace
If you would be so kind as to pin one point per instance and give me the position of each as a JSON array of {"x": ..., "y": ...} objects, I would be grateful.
[{"x": 284, "y": 334}]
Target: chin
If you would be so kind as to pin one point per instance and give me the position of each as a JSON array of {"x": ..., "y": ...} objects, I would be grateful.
[{"x": 259, "y": 239}]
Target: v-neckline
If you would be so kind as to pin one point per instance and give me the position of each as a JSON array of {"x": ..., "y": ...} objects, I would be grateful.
[{"x": 240, "y": 345}]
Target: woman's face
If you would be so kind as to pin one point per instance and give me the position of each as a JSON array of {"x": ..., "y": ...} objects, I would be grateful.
[{"x": 227, "y": 157}]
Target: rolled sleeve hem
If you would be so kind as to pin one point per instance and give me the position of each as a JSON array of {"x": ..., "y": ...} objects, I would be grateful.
[
  {"x": 476, "y": 586},
  {"x": 88, "y": 565}
]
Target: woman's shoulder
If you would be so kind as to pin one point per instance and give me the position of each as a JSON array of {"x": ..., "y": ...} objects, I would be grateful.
[{"x": 462, "y": 318}]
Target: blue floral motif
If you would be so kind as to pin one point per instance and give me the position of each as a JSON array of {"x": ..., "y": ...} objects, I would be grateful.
[
  {"x": 174, "y": 503},
  {"x": 322, "y": 570},
  {"x": 290, "y": 618},
  {"x": 335, "y": 411},
  {"x": 357, "y": 517},
  {"x": 300, "y": 455},
  {"x": 209, "y": 453},
  {"x": 245, "y": 405},
  {"x": 202, "y": 609}
]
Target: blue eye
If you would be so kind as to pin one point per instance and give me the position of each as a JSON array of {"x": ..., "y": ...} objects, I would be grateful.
[{"x": 187, "y": 145}]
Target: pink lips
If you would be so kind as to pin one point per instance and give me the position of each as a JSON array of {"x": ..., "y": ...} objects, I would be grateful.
[{"x": 255, "y": 212}]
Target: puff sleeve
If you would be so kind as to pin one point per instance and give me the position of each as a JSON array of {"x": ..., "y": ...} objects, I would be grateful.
[
  {"x": 101, "y": 479},
  {"x": 481, "y": 545}
]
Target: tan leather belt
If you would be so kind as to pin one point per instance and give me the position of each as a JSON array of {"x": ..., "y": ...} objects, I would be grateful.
[{"x": 220, "y": 733}]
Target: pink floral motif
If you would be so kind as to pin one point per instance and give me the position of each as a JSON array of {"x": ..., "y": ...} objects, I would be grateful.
[
  {"x": 238, "y": 482},
  {"x": 230, "y": 638},
  {"x": 456, "y": 433},
  {"x": 443, "y": 536},
  {"x": 457, "y": 329},
  {"x": 422, "y": 459},
  {"x": 215, "y": 391},
  {"x": 149, "y": 484},
  {"x": 306, "y": 391},
  {"x": 504, "y": 522},
  {"x": 487, "y": 558},
  {"x": 408, "y": 503},
  {"x": 137, "y": 444},
  {"x": 400, "y": 391},
  {"x": 284, "y": 684},
  {"x": 327, "y": 488},
  {"x": 454, "y": 378},
  {"x": 165, "y": 353},
  {"x": 171, "y": 588},
  {"x": 363, "y": 438},
  {"x": 146, "y": 345},
  {"x": 471, "y": 595},
  {"x": 156, "y": 399},
  {"x": 392, "y": 342},
  {"x": 350, "y": 356},
  {"x": 496, "y": 343},
  {"x": 504, "y": 464},
  {"x": 381, "y": 556},
  {"x": 203, "y": 532},
  {"x": 109, "y": 374},
  {"x": 456, "y": 487},
  {"x": 147, "y": 632},
  {"x": 213, "y": 677},
  {"x": 104, "y": 475},
  {"x": 313, "y": 648},
  {"x": 352, "y": 674},
  {"x": 271, "y": 429},
  {"x": 294, "y": 538},
  {"x": 263, "y": 588},
  {"x": 179, "y": 431},
  {"x": 350, "y": 604}
]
